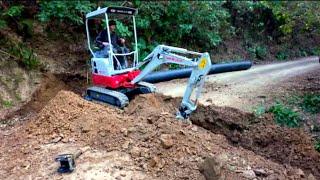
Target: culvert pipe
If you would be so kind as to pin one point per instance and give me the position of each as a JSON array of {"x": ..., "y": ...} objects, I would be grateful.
[{"x": 168, "y": 75}]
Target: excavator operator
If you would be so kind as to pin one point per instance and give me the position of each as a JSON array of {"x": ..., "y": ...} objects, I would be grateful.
[{"x": 118, "y": 44}]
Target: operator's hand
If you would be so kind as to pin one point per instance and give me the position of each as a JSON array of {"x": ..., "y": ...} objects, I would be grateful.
[
  {"x": 105, "y": 43},
  {"x": 122, "y": 40}
]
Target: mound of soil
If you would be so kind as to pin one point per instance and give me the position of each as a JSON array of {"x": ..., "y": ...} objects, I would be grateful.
[
  {"x": 50, "y": 85},
  {"x": 283, "y": 145},
  {"x": 146, "y": 135}
]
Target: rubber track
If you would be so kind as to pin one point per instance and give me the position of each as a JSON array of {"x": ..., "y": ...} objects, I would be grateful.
[{"x": 122, "y": 99}]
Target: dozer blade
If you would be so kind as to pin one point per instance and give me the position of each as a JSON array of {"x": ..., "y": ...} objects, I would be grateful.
[
  {"x": 140, "y": 88},
  {"x": 107, "y": 96},
  {"x": 146, "y": 87}
]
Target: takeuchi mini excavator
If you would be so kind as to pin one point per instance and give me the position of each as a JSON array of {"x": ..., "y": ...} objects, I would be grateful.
[{"x": 114, "y": 84}]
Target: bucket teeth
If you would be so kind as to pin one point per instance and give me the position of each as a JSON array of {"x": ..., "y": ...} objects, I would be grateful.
[{"x": 183, "y": 113}]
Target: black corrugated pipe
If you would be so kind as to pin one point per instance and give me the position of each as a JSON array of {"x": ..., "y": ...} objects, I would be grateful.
[{"x": 161, "y": 76}]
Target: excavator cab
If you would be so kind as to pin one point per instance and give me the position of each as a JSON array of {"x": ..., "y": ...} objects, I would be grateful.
[{"x": 110, "y": 64}]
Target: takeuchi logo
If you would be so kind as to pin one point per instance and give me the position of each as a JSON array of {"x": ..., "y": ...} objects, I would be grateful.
[{"x": 173, "y": 59}]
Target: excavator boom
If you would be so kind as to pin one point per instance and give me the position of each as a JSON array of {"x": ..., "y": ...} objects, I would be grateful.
[{"x": 169, "y": 55}]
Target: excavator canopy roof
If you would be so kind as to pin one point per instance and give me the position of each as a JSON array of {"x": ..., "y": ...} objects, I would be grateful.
[{"x": 99, "y": 13}]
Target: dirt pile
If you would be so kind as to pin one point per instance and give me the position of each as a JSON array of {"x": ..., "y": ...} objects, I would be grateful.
[
  {"x": 152, "y": 106},
  {"x": 144, "y": 141},
  {"x": 50, "y": 85},
  {"x": 284, "y": 145}
]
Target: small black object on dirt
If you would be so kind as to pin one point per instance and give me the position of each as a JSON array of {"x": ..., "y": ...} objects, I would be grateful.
[{"x": 67, "y": 163}]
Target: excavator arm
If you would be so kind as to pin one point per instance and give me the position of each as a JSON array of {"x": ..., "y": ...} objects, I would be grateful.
[{"x": 173, "y": 55}]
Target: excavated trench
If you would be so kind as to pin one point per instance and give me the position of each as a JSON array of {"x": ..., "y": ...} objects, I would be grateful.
[
  {"x": 260, "y": 135},
  {"x": 283, "y": 145}
]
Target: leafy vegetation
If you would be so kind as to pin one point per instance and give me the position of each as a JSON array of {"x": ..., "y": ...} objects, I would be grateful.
[
  {"x": 123, "y": 30},
  {"x": 308, "y": 102},
  {"x": 285, "y": 116},
  {"x": 317, "y": 145},
  {"x": 9, "y": 14},
  {"x": 258, "y": 51},
  {"x": 26, "y": 55},
  {"x": 198, "y": 25},
  {"x": 21, "y": 53},
  {"x": 13, "y": 17},
  {"x": 7, "y": 104},
  {"x": 259, "y": 110},
  {"x": 70, "y": 12},
  {"x": 311, "y": 103},
  {"x": 13, "y": 11},
  {"x": 282, "y": 55}
]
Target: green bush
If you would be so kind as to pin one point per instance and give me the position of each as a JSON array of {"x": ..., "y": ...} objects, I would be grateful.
[
  {"x": 285, "y": 116},
  {"x": 253, "y": 17},
  {"x": 123, "y": 30},
  {"x": 295, "y": 16},
  {"x": 258, "y": 51},
  {"x": 185, "y": 24},
  {"x": 315, "y": 51},
  {"x": 144, "y": 48},
  {"x": 70, "y": 12},
  {"x": 25, "y": 55},
  {"x": 282, "y": 55},
  {"x": 13, "y": 17},
  {"x": 309, "y": 51},
  {"x": 317, "y": 145},
  {"x": 3, "y": 24},
  {"x": 12, "y": 12},
  {"x": 197, "y": 25},
  {"x": 311, "y": 103}
]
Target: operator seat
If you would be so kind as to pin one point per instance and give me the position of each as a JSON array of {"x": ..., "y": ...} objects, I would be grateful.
[{"x": 103, "y": 53}]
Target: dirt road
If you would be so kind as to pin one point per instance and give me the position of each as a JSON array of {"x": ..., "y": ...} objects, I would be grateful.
[{"x": 244, "y": 89}]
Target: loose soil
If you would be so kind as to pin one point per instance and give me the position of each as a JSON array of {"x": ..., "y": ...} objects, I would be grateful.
[
  {"x": 145, "y": 141},
  {"x": 50, "y": 85},
  {"x": 261, "y": 135}
]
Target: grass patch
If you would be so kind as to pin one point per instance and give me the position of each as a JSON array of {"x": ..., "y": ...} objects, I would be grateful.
[
  {"x": 311, "y": 103},
  {"x": 7, "y": 104},
  {"x": 259, "y": 110},
  {"x": 285, "y": 116},
  {"x": 18, "y": 97}
]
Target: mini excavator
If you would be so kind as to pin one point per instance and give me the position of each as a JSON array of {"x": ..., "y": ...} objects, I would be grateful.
[{"x": 114, "y": 84}]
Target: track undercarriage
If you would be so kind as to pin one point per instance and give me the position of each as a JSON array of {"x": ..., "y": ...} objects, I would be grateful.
[{"x": 119, "y": 97}]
